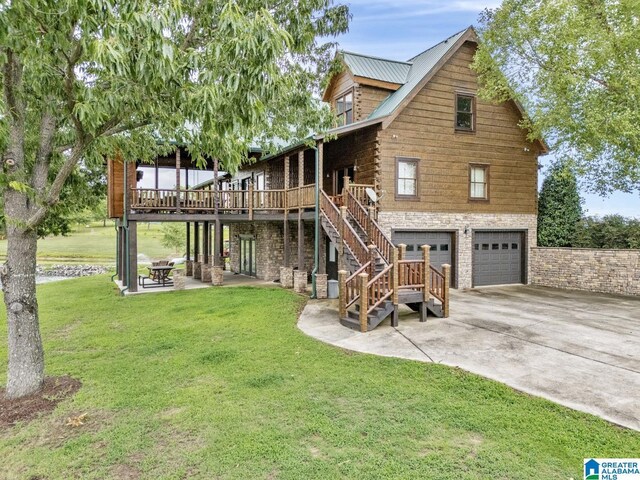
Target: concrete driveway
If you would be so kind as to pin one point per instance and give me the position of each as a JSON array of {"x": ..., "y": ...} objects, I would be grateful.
[{"x": 578, "y": 349}]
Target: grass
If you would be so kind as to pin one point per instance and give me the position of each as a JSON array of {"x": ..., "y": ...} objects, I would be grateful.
[
  {"x": 219, "y": 383},
  {"x": 96, "y": 244}
]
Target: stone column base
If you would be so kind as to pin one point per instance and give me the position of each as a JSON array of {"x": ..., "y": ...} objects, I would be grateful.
[
  {"x": 300, "y": 281},
  {"x": 321, "y": 285},
  {"x": 197, "y": 270},
  {"x": 179, "y": 280},
  {"x": 286, "y": 277},
  {"x": 206, "y": 273},
  {"x": 189, "y": 268},
  {"x": 217, "y": 275}
]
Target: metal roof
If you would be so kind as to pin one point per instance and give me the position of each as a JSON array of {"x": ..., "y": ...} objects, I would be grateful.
[
  {"x": 391, "y": 71},
  {"x": 421, "y": 65}
]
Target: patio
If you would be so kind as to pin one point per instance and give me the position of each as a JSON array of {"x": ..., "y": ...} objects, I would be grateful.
[{"x": 230, "y": 280}]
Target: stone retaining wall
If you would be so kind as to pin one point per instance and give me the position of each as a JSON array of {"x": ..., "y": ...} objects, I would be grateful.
[{"x": 595, "y": 270}]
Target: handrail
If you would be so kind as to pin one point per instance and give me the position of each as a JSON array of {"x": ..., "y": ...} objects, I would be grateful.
[
  {"x": 350, "y": 238},
  {"x": 377, "y": 237},
  {"x": 379, "y": 289},
  {"x": 436, "y": 285},
  {"x": 351, "y": 286}
]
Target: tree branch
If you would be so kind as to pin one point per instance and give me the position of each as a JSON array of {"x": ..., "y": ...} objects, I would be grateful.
[{"x": 43, "y": 156}]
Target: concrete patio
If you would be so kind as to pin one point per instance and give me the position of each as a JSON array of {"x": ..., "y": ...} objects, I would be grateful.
[
  {"x": 578, "y": 349},
  {"x": 230, "y": 280}
]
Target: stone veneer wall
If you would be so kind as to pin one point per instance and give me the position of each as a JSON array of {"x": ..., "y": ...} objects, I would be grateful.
[
  {"x": 595, "y": 270},
  {"x": 457, "y": 222},
  {"x": 269, "y": 238}
]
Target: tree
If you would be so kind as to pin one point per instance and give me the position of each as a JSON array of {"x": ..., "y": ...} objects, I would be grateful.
[
  {"x": 85, "y": 79},
  {"x": 610, "y": 231},
  {"x": 173, "y": 236},
  {"x": 577, "y": 62},
  {"x": 559, "y": 208}
]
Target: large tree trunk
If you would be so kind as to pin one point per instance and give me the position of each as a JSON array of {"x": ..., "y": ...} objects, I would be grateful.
[{"x": 26, "y": 356}]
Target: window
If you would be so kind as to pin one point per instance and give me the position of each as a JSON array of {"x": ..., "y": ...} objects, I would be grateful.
[
  {"x": 344, "y": 109},
  {"x": 479, "y": 182},
  {"x": 407, "y": 177},
  {"x": 465, "y": 106}
]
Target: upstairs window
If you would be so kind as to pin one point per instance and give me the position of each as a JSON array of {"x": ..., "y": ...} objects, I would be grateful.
[
  {"x": 479, "y": 182},
  {"x": 344, "y": 109},
  {"x": 465, "y": 112},
  {"x": 407, "y": 178}
]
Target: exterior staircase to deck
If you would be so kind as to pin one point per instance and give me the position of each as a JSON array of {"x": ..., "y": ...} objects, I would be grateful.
[{"x": 375, "y": 276}]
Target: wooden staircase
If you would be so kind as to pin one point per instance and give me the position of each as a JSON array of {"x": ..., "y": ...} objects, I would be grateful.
[{"x": 375, "y": 276}]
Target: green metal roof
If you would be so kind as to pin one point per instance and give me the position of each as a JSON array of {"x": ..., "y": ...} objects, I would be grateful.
[
  {"x": 376, "y": 68},
  {"x": 421, "y": 66}
]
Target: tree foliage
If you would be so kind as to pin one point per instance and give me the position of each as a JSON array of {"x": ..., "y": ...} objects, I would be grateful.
[
  {"x": 610, "y": 231},
  {"x": 85, "y": 79},
  {"x": 574, "y": 65},
  {"x": 559, "y": 208},
  {"x": 174, "y": 236}
]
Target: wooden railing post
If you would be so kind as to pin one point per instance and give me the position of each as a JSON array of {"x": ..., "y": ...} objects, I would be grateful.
[
  {"x": 395, "y": 286},
  {"x": 370, "y": 227},
  {"x": 402, "y": 251},
  {"x": 345, "y": 189},
  {"x": 364, "y": 301},
  {"x": 250, "y": 200},
  {"x": 342, "y": 293},
  {"x": 372, "y": 260},
  {"x": 426, "y": 249},
  {"x": 341, "y": 227},
  {"x": 445, "y": 289}
]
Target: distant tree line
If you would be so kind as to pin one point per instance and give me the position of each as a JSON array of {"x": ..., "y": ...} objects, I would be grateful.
[{"x": 562, "y": 223}]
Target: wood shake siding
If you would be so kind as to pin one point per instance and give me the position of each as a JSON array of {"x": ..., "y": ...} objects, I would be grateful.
[
  {"x": 341, "y": 84},
  {"x": 425, "y": 130}
]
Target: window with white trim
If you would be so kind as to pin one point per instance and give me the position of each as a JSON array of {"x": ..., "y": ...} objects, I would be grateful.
[
  {"x": 407, "y": 177},
  {"x": 479, "y": 182}
]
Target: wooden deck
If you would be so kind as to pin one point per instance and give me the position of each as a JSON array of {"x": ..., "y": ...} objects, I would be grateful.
[{"x": 225, "y": 202}]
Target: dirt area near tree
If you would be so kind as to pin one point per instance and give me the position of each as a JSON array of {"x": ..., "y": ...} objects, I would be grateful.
[{"x": 55, "y": 390}]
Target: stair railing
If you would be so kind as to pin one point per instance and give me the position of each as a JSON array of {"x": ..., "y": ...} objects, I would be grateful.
[
  {"x": 374, "y": 233},
  {"x": 379, "y": 289},
  {"x": 348, "y": 235}
]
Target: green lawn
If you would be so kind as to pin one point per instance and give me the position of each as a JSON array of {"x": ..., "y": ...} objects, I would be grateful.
[
  {"x": 96, "y": 244},
  {"x": 219, "y": 383}
]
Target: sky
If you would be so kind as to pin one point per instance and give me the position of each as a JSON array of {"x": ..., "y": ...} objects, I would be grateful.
[{"x": 400, "y": 29}]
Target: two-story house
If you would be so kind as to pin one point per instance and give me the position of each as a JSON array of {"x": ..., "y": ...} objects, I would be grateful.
[{"x": 424, "y": 160}]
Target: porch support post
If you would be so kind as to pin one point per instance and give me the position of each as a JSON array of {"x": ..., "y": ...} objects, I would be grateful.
[
  {"x": 133, "y": 256},
  {"x": 188, "y": 262},
  {"x": 205, "y": 243},
  {"x": 196, "y": 241},
  {"x": 285, "y": 225},
  {"x": 300, "y": 178},
  {"x": 300, "y": 242},
  {"x": 188, "y": 240},
  {"x": 178, "y": 200},
  {"x": 320, "y": 164},
  {"x": 217, "y": 243}
]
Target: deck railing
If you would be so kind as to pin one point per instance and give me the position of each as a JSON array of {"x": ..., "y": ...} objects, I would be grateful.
[
  {"x": 366, "y": 221},
  {"x": 156, "y": 200}
]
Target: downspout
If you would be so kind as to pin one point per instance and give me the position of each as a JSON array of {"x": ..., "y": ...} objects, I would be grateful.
[
  {"x": 115, "y": 226},
  {"x": 126, "y": 230},
  {"x": 316, "y": 217}
]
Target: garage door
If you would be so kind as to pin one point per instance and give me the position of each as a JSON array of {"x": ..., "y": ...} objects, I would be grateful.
[
  {"x": 497, "y": 258},
  {"x": 441, "y": 246}
]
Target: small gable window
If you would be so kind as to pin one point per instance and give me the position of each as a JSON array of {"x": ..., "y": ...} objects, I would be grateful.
[
  {"x": 407, "y": 178},
  {"x": 479, "y": 182},
  {"x": 465, "y": 112},
  {"x": 344, "y": 109}
]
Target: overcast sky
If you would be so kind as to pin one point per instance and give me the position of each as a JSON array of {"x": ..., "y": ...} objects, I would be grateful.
[{"x": 401, "y": 29}]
